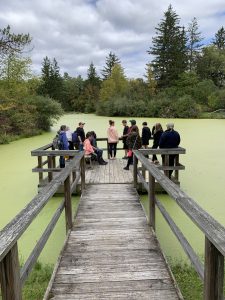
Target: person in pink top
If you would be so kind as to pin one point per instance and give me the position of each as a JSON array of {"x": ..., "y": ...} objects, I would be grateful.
[
  {"x": 93, "y": 151},
  {"x": 113, "y": 139}
]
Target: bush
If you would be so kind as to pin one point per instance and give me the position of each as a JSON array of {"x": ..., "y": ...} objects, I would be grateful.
[{"x": 217, "y": 100}]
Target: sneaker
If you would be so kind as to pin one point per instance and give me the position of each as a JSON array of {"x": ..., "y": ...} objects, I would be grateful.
[
  {"x": 126, "y": 168},
  {"x": 125, "y": 157},
  {"x": 156, "y": 162}
]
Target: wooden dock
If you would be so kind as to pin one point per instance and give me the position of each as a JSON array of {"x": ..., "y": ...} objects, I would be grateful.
[{"x": 111, "y": 252}]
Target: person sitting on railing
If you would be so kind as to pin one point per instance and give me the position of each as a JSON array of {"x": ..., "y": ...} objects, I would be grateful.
[
  {"x": 133, "y": 143},
  {"x": 64, "y": 144},
  {"x": 158, "y": 131},
  {"x": 169, "y": 139},
  {"x": 90, "y": 150}
]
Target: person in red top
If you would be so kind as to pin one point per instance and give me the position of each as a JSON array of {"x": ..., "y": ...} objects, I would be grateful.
[{"x": 93, "y": 151}]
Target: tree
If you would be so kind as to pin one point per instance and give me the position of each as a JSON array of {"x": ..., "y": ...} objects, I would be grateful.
[
  {"x": 151, "y": 82},
  {"x": 211, "y": 65},
  {"x": 11, "y": 42},
  {"x": 169, "y": 49},
  {"x": 193, "y": 44},
  {"x": 115, "y": 85},
  {"x": 111, "y": 60},
  {"x": 92, "y": 76},
  {"x": 52, "y": 82},
  {"x": 219, "y": 40}
]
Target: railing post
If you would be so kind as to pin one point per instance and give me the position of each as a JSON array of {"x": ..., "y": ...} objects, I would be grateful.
[
  {"x": 176, "y": 164},
  {"x": 10, "y": 275},
  {"x": 68, "y": 204},
  {"x": 151, "y": 199},
  {"x": 40, "y": 167},
  {"x": 50, "y": 174},
  {"x": 135, "y": 165},
  {"x": 214, "y": 272},
  {"x": 82, "y": 175},
  {"x": 143, "y": 171},
  {"x": 166, "y": 163}
]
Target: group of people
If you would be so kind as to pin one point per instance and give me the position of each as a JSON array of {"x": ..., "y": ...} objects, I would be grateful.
[{"x": 131, "y": 138}]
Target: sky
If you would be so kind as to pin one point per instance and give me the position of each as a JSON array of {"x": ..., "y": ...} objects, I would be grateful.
[{"x": 78, "y": 32}]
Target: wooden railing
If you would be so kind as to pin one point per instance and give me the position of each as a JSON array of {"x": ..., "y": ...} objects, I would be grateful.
[
  {"x": 12, "y": 277},
  {"x": 212, "y": 272}
]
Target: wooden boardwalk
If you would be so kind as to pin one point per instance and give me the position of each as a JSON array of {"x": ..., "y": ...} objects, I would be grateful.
[{"x": 111, "y": 253}]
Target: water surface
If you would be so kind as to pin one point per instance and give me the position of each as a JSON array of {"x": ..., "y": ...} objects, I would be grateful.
[{"x": 203, "y": 179}]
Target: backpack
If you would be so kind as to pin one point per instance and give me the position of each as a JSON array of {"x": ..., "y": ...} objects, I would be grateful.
[
  {"x": 75, "y": 139},
  {"x": 57, "y": 144}
]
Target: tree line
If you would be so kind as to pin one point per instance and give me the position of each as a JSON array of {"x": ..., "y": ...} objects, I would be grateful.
[{"x": 184, "y": 78}]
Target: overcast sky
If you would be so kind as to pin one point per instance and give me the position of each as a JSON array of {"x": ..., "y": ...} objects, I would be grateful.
[{"x": 78, "y": 32}]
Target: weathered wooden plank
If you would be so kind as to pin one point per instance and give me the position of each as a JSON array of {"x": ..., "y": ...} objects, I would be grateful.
[
  {"x": 146, "y": 295},
  {"x": 10, "y": 275},
  {"x": 111, "y": 252},
  {"x": 116, "y": 286}
]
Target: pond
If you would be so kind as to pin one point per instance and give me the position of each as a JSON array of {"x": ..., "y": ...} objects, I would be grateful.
[{"x": 203, "y": 179}]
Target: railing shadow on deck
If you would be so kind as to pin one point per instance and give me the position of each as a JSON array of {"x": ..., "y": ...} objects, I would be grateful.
[
  {"x": 12, "y": 278},
  {"x": 212, "y": 272}
]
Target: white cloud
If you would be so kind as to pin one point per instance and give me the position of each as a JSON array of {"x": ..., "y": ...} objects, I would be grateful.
[{"x": 77, "y": 32}]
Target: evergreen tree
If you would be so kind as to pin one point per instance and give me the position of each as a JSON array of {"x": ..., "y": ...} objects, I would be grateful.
[
  {"x": 52, "y": 83},
  {"x": 111, "y": 60},
  {"x": 92, "y": 76},
  {"x": 11, "y": 43},
  {"x": 193, "y": 44},
  {"x": 219, "y": 40},
  {"x": 169, "y": 49}
]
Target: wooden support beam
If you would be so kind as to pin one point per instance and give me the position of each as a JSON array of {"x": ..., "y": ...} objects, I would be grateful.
[
  {"x": 151, "y": 198},
  {"x": 135, "y": 164},
  {"x": 10, "y": 275},
  {"x": 40, "y": 166},
  {"x": 82, "y": 171},
  {"x": 68, "y": 204},
  {"x": 214, "y": 272},
  {"x": 50, "y": 165}
]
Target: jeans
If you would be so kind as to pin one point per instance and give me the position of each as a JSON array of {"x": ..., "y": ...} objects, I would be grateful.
[{"x": 112, "y": 149}]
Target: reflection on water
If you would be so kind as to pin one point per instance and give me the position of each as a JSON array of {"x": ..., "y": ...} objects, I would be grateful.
[{"x": 203, "y": 179}]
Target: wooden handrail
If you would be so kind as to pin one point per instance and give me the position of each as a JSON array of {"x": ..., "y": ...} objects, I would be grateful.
[
  {"x": 10, "y": 276},
  {"x": 213, "y": 272}
]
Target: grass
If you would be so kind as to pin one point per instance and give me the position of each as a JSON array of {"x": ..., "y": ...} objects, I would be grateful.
[
  {"x": 189, "y": 283},
  {"x": 36, "y": 285}
]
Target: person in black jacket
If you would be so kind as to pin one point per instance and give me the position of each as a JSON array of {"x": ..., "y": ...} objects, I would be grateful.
[
  {"x": 146, "y": 135},
  {"x": 158, "y": 131},
  {"x": 124, "y": 137},
  {"x": 81, "y": 135},
  {"x": 169, "y": 139}
]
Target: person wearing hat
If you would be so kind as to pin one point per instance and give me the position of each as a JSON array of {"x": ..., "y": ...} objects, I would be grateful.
[
  {"x": 169, "y": 139},
  {"x": 146, "y": 135},
  {"x": 81, "y": 135}
]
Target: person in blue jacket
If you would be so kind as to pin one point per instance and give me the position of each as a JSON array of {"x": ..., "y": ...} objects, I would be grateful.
[
  {"x": 169, "y": 139},
  {"x": 64, "y": 144}
]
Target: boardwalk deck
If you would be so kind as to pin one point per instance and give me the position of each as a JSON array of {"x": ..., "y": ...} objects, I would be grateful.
[{"x": 111, "y": 253}]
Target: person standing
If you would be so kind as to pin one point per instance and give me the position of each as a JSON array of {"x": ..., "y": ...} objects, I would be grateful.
[
  {"x": 158, "y": 131},
  {"x": 69, "y": 138},
  {"x": 169, "y": 139},
  {"x": 124, "y": 137},
  {"x": 134, "y": 143},
  {"x": 64, "y": 144},
  {"x": 146, "y": 135},
  {"x": 113, "y": 139},
  {"x": 81, "y": 135}
]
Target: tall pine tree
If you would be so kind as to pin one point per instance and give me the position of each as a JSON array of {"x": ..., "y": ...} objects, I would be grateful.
[
  {"x": 219, "y": 40},
  {"x": 169, "y": 49},
  {"x": 111, "y": 61},
  {"x": 193, "y": 44}
]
